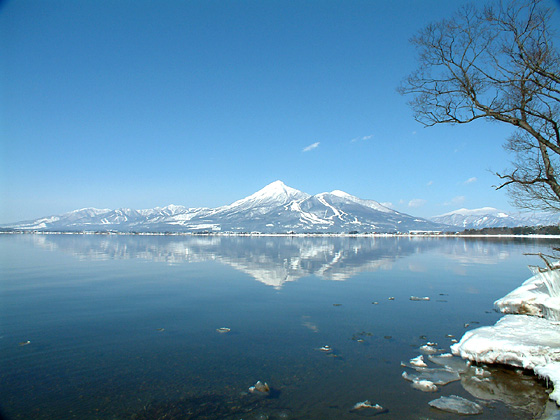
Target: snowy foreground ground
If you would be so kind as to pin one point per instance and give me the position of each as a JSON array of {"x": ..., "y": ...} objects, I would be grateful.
[{"x": 528, "y": 337}]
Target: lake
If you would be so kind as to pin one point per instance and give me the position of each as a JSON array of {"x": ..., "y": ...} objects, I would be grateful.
[{"x": 127, "y": 327}]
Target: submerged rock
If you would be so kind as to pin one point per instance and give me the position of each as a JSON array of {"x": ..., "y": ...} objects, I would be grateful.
[
  {"x": 358, "y": 336},
  {"x": 457, "y": 405},
  {"x": 260, "y": 388}
]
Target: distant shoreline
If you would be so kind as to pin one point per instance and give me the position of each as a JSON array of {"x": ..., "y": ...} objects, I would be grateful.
[{"x": 258, "y": 234}]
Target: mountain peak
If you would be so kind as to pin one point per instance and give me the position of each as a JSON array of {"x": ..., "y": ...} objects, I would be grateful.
[
  {"x": 276, "y": 193},
  {"x": 339, "y": 193},
  {"x": 276, "y": 186},
  {"x": 276, "y": 183}
]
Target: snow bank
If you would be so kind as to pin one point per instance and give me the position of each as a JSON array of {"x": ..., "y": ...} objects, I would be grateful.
[
  {"x": 538, "y": 296},
  {"x": 530, "y": 339},
  {"x": 522, "y": 341}
]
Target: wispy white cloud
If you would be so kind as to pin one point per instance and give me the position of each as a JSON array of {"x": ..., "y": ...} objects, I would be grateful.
[
  {"x": 416, "y": 202},
  {"x": 455, "y": 201},
  {"x": 363, "y": 138},
  {"x": 470, "y": 180},
  {"x": 311, "y": 146}
]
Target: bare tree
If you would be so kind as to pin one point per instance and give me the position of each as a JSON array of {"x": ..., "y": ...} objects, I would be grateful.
[{"x": 497, "y": 63}]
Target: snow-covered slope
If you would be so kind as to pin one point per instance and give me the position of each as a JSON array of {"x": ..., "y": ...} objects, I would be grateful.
[
  {"x": 272, "y": 196},
  {"x": 276, "y": 208},
  {"x": 490, "y": 217}
]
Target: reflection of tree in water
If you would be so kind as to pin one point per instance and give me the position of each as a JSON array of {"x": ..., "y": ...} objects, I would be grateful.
[{"x": 276, "y": 260}]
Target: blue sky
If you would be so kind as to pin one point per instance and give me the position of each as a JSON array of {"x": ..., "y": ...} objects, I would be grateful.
[{"x": 140, "y": 104}]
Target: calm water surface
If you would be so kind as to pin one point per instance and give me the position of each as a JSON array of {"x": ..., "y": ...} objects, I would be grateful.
[{"x": 124, "y": 327}]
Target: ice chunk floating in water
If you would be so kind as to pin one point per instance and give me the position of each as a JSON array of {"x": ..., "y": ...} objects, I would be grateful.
[
  {"x": 450, "y": 362},
  {"x": 363, "y": 405},
  {"x": 455, "y": 404},
  {"x": 418, "y": 361},
  {"x": 424, "y": 385},
  {"x": 416, "y": 298},
  {"x": 429, "y": 348},
  {"x": 435, "y": 376}
]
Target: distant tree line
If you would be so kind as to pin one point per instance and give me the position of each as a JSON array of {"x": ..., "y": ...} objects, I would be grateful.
[{"x": 520, "y": 230}]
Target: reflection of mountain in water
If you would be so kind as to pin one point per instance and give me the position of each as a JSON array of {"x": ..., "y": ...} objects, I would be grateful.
[{"x": 275, "y": 260}]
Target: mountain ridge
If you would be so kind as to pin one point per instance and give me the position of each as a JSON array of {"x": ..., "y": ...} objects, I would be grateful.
[
  {"x": 276, "y": 208},
  {"x": 488, "y": 217}
]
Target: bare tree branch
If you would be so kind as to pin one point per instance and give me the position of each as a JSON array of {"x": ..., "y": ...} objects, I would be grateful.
[{"x": 497, "y": 63}]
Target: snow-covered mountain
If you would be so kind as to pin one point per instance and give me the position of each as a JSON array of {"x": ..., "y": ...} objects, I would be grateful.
[
  {"x": 276, "y": 208},
  {"x": 490, "y": 217}
]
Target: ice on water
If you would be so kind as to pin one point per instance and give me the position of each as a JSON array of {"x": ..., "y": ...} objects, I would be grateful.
[
  {"x": 455, "y": 404},
  {"x": 427, "y": 378},
  {"x": 435, "y": 376},
  {"x": 424, "y": 385},
  {"x": 449, "y": 362},
  {"x": 418, "y": 361},
  {"x": 529, "y": 339},
  {"x": 429, "y": 349}
]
